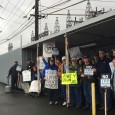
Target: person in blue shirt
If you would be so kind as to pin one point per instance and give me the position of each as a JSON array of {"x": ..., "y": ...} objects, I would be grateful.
[{"x": 52, "y": 92}]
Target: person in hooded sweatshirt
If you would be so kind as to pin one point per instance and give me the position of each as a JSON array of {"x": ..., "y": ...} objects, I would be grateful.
[{"x": 52, "y": 93}]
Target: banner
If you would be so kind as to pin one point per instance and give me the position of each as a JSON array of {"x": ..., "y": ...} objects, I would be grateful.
[
  {"x": 51, "y": 79},
  {"x": 35, "y": 86},
  {"x": 75, "y": 52},
  {"x": 69, "y": 78},
  {"x": 47, "y": 49},
  {"x": 41, "y": 63},
  {"x": 26, "y": 75}
]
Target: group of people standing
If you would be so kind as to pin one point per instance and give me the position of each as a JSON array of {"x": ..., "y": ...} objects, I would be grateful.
[{"x": 80, "y": 94}]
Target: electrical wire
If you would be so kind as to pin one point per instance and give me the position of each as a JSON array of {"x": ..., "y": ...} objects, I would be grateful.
[
  {"x": 21, "y": 15},
  {"x": 50, "y": 13},
  {"x": 5, "y": 8},
  {"x": 1, "y": 27},
  {"x": 104, "y": 0},
  {"x": 68, "y": 6}
]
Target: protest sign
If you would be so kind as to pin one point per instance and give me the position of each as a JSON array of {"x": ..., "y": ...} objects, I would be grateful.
[
  {"x": 75, "y": 52},
  {"x": 47, "y": 49},
  {"x": 88, "y": 71},
  {"x": 69, "y": 78},
  {"x": 26, "y": 75},
  {"x": 51, "y": 79},
  {"x": 25, "y": 87},
  {"x": 105, "y": 81},
  {"x": 18, "y": 68},
  {"x": 41, "y": 63}
]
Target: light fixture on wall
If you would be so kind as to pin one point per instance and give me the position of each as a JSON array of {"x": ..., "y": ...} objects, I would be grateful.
[{"x": 88, "y": 45}]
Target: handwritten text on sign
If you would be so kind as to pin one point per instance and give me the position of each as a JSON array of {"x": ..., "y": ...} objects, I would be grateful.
[
  {"x": 69, "y": 78},
  {"x": 51, "y": 79}
]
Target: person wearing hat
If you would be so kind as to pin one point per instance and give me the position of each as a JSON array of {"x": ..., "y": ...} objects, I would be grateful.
[
  {"x": 52, "y": 93},
  {"x": 14, "y": 77},
  {"x": 75, "y": 90},
  {"x": 61, "y": 70}
]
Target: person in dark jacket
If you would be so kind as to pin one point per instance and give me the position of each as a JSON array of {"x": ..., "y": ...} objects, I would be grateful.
[
  {"x": 14, "y": 77},
  {"x": 87, "y": 77},
  {"x": 104, "y": 68}
]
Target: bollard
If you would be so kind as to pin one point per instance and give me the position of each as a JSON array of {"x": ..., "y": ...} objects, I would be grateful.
[{"x": 93, "y": 99}]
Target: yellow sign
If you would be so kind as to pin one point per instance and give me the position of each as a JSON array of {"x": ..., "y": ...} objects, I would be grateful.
[{"x": 69, "y": 78}]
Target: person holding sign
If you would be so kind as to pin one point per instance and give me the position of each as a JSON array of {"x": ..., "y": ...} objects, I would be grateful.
[
  {"x": 51, "y": 80},
  {"x": 87, "y": 76},
  {"x": 103, "y": 68},
  {"x": 75, "y": 90}
]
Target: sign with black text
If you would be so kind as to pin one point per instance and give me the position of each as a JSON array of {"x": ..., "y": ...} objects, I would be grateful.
[
  {"x": 51, "y": 79},
  {"x": 105, "y": 81}
]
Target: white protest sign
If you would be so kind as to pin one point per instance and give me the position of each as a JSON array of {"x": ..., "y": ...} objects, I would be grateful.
[
  {"x": 105, "y": 81},
  {"x": 51, "y": 79},
  {"x": 55, "y": 52},
  {"x": 41, "y": 63},
  {"x": 35, "y": 86},
  {"x": 47, "y": 49},
  {"x": 18, "y": 68},
  {"x": 25, "y": 87},
  {"x": 88, "y": 71},
  {"x": 26, "y": 75},
  {"x": 75, "y": 52}
]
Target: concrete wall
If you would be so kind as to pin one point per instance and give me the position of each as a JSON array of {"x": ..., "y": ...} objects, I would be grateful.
[{"x": 7, "y": 60}]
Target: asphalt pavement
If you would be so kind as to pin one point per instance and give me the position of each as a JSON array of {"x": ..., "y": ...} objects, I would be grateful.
[{"x": 21, "y": 104}]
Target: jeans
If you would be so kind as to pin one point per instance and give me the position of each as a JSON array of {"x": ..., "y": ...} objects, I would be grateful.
[
  {"x": 14, "y": 80},
  {"x": 52, "y": 94},
  {"x": 109, "y": 98},
  {"x": 75, "y": 95},
  {"x": 87, "y": 92},
  {"x": 63, "y": 92}
]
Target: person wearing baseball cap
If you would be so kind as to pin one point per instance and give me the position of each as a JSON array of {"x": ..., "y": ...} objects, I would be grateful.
[
  {"x": 61, "y": 70},
  {"x": 75, "y": 90}
]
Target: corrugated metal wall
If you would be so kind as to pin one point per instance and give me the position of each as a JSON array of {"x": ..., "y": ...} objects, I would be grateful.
[{"x": 7, "y": 60}]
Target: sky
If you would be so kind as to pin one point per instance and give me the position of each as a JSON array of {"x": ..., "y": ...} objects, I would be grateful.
[{"x": 12, "y": 19}]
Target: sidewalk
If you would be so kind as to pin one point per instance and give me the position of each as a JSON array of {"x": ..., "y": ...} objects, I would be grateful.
[{"x": 19, "y": 104}]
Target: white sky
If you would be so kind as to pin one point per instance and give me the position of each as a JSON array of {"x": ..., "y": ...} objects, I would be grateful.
[{"x": 12, "y": 12}]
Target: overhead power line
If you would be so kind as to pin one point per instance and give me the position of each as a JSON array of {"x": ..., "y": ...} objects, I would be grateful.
[
  {"x": 25, "y": 27},
  {"x": 9, "y": 16},
  {"x": 17, "y": 20}
]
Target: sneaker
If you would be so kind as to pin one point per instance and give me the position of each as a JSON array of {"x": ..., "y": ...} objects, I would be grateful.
[
  {"x": 56, "y": 103},
  {"x": 50, "y": 103},
  {"x": 64, "y": 103}
]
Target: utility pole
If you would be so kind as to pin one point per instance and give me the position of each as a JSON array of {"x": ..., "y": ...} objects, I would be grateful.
[{"x": 36, "y": 19}]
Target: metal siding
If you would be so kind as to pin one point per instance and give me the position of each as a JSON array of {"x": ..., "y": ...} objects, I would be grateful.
[{"x": 7, "y": 60}]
